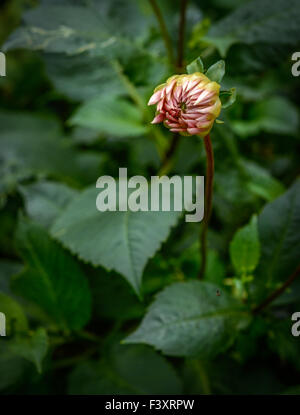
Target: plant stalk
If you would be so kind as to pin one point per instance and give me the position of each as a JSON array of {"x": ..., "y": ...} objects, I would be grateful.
[
  {"x": 277, "y": 292},
  {"x": 164, "y": 31},
  {"x": 207, "y": 202}
]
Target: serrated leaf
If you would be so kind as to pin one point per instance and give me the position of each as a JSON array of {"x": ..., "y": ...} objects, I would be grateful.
[
  {"x": 52, "y": 279},
  {"x": 259, "y": 21},
  {"x": 216, "y": 71},
  {"x": 129, "y": 369},
  {"x": 111, "y": 116},
  {"x": 278, "y": 226},
  {"x": 190, "y": 319},
  {"x": 32, "y": 347},
  {"x": 245, "y": 248},
  {"x": 122, "y": 241},
  {"x": 44, "y": 200},
  {"x": 195, "y": 66}
]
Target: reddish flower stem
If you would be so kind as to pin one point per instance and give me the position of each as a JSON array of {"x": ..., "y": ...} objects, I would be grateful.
[{"x": 207, "y": 202}]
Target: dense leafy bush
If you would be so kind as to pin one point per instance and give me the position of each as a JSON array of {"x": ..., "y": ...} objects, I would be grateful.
[{"x": 111, "y": 302}]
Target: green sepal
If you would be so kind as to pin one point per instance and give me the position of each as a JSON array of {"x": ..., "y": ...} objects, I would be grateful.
[
  {"x": 216, "y": 71},
  {"x": 195, "y": 66},
  {"x": 228, "y": 97}
]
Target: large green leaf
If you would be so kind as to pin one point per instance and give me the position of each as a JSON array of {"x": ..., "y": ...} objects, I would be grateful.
[
  {"x": 111, "y": 116},
  {"x": 278, "y": 226},
  {"x": 75, "y": 28},
  {"x": 245, "y": 248},
  {"x": 32, "y": 347},
  {"x": 122, "y": 241},
  {"x": 269, "y": 21},
  {"x": 82, "y": 77},
  {"x": 127, "y": 370},
  {"x": 52, "y": 279},
  {"x": 190, "y": 319},
  {"x": 34, "y": 145},
  {"x": 44, "y": 200}
]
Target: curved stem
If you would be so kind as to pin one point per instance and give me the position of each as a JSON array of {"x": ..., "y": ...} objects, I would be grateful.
[
  {"x": 207, "y": 202},
  {"x": 160, "y": 140},
  {"x": 130, "y": 87},
  {"x": 277, "y": 292},
  {"x": 164, "y": 30}
]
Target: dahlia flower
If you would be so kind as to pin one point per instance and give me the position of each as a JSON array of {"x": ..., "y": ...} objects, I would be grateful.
[{"x": 187, "y": 104}]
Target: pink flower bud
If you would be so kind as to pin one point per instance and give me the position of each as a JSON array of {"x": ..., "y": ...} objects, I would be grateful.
[{"x": 187, "y": 104}]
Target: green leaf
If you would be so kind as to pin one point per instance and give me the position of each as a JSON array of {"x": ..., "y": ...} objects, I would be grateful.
[
  {"x": 16, "y": 321},
  {"x": 34, "y": 145},
  {"x": 259, "y": 21},
  {"x": 122, "y": 241},
  {"x": 190, "y": 319},
  {"x": 228, "y": 97},
  {"x": 216, "y": 71},
  {"x": 282, "y": 343},
  {"x": 274, "y": 115},
  {"x": 7, "y": 270},
  {"x": 44, "y": 200},
  {"x": 82, "y": 77},
  {"x": 278, "y": 226},
  {"x": 33, "y": 347},
  {"x": 114, "y": 298},
  {"x": 261, "y": 183},
  {"x": 52, "y": 279},
  {"x": 245, "y": 248},
  {"x": 111, "y": 116},
  {"x": 11, "y": 368},
  {"x": 195, "y": 66},
  {"x": 127, "y": 370},
  {"x": 77, "y": 29},
  {"x": 215, "y": 268}
]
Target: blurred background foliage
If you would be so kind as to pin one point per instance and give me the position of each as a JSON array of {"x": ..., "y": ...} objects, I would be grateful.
[{"x": 74, "y": 289}]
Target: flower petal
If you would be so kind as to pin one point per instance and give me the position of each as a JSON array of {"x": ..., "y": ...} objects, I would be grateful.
[{"x": 159, "y": 118}]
